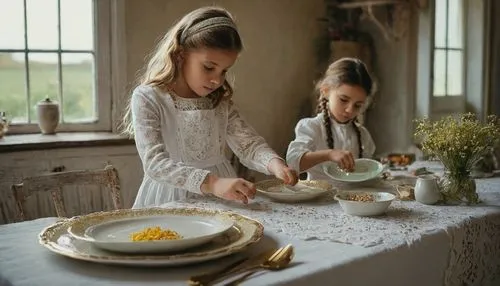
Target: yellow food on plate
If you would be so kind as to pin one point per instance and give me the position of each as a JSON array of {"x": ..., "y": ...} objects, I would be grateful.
[{"x": 155, "y": 233}]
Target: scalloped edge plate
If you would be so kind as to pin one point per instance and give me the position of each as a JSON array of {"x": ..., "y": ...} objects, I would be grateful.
[{"x": 242, "y": 234}]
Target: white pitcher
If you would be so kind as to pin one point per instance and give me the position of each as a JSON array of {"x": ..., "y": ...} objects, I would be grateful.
[{"x": 427, "y": 190}]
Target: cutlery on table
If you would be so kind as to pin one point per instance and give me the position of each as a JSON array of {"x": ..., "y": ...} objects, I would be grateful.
[
  {"x": 206, "y": 279},
  {"x": 272, "y": 260},
  {"x": 279, "y": 260}
]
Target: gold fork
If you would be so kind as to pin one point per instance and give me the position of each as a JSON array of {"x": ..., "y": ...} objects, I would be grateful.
[
  {"x": 279, "y": 260},
  {"x": 234, "y": 268}
]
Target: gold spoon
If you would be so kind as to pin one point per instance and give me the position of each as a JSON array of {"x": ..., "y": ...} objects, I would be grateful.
[
  {"x": 237, "y": 267},
  {"x": 277, "y": 261}
]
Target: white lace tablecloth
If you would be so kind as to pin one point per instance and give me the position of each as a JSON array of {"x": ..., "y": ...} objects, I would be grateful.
[
  {"x": 413, "y": 245},
  {"x": 324, "y": 219},
  {"x": 474, "y": 231}
]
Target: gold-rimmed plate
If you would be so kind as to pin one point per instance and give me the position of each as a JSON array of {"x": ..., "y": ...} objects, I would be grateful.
[
  {"x": 304, "y": 190},
  {"x": 242, "y": 234}
]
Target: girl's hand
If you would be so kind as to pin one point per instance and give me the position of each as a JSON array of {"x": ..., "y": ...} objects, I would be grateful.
[
  {"x": 344, "y": 158},
  {"x": 233, "y": 189},
  {"x": 281, "y": 171}
]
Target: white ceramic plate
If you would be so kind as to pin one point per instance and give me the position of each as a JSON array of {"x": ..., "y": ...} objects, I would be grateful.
[
  {"x": 242, "y": 234},
  {"x": 116, "y": 235},
  {"x": 379, "y": 205},
  {"x": 364, "y": 170},
  {"x": 302, "y": 191}
]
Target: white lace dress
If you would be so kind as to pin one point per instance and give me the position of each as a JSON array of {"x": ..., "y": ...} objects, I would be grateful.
[
  {"x": 181, "y": 140},
  {"x": 310, "y": 135}
]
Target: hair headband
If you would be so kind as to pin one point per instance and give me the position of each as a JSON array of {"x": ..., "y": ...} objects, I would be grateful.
[{"x": 206, "y": 25}]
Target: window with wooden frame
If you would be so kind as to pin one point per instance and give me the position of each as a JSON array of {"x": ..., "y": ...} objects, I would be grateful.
[
  {"x": 452, "y": 58},
  {"x": 448, "y": 86},
  {"x": 58, "y": 49}
]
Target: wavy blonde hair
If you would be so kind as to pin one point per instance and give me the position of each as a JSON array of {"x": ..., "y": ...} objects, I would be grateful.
[{"x": 162, "y": 68}]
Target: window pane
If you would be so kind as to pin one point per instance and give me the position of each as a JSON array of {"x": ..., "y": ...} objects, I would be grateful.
[
  {"x": 76, "y": 25},
  {"x": 43, "y": 79},
  {"x": 440, "y": 24},
  {"x": 13, "y": 99},
  {"x": 12, "y": 25},
  {"x": 455, "y": 24},
  {"x": 78, "y": 87},
  {"x": 455, "y": 73},
  {"x": 42, "y": 24},
  {"x": 439, "y": 73}
]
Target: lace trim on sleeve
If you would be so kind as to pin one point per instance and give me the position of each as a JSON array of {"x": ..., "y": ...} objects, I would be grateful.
[{"x": 250, "y": 147}]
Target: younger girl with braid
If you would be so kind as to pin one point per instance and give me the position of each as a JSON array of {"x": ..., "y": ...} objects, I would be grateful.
[
  {"x": 334, "y": 134},
  {"x": 182, "y": 116}
]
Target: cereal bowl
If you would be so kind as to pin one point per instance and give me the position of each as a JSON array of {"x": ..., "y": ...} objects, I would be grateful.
[{"x": 364, "y": 202}]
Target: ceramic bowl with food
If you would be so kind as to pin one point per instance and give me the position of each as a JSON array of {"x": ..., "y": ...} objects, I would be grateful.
[{"x": 364, "y": 202}]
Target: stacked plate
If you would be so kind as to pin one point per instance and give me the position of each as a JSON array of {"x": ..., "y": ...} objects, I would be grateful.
[{"x": 106, "y": 237}]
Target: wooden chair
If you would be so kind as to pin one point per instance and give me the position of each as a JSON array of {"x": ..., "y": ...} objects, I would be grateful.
[{"x": 53, "y": 182}]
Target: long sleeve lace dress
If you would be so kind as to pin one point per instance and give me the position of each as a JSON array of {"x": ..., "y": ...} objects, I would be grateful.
[{"x": 181, "y": 140}]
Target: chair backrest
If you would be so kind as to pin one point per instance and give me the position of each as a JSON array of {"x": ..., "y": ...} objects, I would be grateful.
[{"x": 53, "y": 182}]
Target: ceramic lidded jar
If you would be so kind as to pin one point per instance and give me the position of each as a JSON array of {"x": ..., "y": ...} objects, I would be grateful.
[{"x": 48, "y": 115}]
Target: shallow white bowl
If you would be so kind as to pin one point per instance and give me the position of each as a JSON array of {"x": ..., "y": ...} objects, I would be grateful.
[
  {"x": 379, "y": 206},
  {"x": 115, "y": 235},
  {"x": 364, "y": 170}
]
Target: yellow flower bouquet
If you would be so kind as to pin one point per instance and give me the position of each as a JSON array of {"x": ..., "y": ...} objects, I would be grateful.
[{"x": 459, "y": 143}]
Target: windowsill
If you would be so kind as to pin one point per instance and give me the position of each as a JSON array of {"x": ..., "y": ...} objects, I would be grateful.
[{"x": 30, "y": 142}]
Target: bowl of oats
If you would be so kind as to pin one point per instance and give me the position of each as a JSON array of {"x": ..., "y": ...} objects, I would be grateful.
[{"x": 364, "y": 202}]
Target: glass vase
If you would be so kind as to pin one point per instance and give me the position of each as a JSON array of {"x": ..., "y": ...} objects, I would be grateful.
[{"x": 459, "y": 187}]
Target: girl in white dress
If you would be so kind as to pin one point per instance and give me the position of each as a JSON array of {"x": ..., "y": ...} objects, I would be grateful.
[
  {"x": 334, "y": 134},
  {"x": 182, "y": 117}
]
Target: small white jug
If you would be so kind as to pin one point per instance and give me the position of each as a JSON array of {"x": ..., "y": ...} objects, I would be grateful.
[{"x": 427, "y": 190}]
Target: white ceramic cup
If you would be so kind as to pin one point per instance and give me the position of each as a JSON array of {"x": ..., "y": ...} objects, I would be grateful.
[{"x": 427, "y": 190}]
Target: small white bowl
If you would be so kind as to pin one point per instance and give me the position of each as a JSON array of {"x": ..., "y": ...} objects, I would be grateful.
[{"x": 378, "y": 206}]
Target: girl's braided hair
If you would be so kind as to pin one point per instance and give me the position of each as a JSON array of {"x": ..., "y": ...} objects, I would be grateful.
[{"x": 349, "y": 71}]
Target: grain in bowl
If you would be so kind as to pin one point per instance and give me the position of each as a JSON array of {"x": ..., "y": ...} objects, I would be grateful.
[{"x": 364, "y": 202}]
